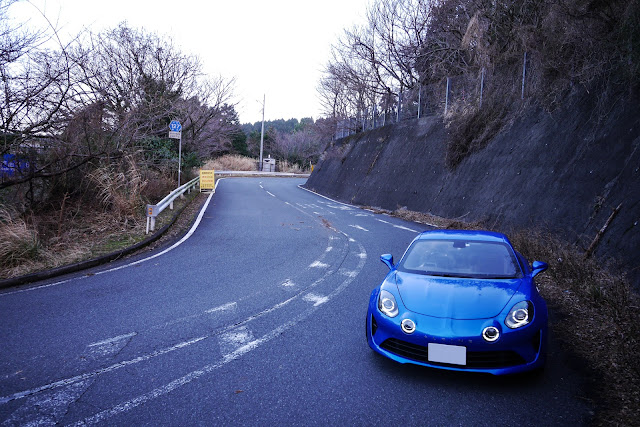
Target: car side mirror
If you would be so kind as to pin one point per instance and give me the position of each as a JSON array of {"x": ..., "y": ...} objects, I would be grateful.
[
  {"x": 538, "y": 267},
  {"x": 388, "y": 260}
]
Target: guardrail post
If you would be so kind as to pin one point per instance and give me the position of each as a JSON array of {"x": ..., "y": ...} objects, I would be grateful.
[{"x": 154, "y": 210}]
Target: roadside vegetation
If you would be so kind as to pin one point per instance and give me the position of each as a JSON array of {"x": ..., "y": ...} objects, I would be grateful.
[
  {"x": 84, "y": 137},
  {"x": 236, "y": 162},
  {"x": 597, "y": 312},
  {"x": 492, "y": 57}
]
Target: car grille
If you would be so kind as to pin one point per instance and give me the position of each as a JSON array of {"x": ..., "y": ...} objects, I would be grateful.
[{"x": 475, "y": 359}]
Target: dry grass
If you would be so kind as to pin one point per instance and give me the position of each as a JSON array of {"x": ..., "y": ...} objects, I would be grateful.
[
  {"x": 77, "y": 234},
  {"x": 471, "y": 130},
  {"x": 603, "y": 321},
  {"x": 18, "y": 243},
  {"x": 602, "y": 316},
  {"x": 231, "y": 162},
  {"x": 285, "y": 166},
  {"x": 120, "y": 191},
  {"x": 235, "y": 162}
]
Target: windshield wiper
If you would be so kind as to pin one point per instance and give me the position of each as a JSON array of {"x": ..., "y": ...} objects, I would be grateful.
[{"x": 437, "y": 274}]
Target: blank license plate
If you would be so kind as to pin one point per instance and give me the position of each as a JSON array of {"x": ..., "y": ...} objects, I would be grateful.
[{"x": 452, "y": 354}]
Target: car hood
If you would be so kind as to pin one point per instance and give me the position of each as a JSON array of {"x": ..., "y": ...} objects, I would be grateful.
[{"x": 455, "y": 298}]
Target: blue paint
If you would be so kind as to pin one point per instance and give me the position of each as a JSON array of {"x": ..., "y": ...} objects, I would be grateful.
[{"x": 457, "y": 288}]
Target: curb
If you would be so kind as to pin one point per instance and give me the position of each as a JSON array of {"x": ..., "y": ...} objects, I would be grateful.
[{"x": 83, "y": 265}]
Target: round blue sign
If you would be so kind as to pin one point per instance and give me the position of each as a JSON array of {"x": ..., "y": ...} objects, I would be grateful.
[{"x": 175, "y": 126}]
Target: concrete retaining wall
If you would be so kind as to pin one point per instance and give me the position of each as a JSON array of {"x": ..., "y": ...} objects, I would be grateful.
[{"x": 562, "y": 171}]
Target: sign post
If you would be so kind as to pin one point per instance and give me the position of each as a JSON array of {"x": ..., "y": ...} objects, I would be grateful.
[{"x": 175, "y": 132}]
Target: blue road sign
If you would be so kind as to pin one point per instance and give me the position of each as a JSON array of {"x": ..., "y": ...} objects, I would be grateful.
[{"x": 175, "y": 126}]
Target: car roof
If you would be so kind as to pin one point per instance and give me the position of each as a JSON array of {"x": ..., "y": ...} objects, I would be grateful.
[{"x": 467, "y": 235}]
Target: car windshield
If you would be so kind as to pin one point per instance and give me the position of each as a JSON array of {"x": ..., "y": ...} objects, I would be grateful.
[{"x": 457, "y": 258}]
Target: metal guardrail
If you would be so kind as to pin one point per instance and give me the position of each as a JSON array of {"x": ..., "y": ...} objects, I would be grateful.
[
  {"x": 261, "y": 174},
  {"x": 154, "y": 210}
]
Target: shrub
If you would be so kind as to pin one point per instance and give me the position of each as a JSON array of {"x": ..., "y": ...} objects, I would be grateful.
[
  {"x": 18, "y": 244},
  {"x": 232, "y": 162},
  {"x": 120, "y": 188},
  {"x": 472, "y": 131}
]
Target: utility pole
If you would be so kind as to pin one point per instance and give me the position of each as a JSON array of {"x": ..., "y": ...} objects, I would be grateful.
[{"x": 264, "y": 98}]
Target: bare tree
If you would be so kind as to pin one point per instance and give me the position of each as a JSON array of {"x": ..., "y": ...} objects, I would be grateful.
[
  {"x": 35, "y": 87},
  {"x": 373, "y": 61},
  {"x": 144, "y": 81}
]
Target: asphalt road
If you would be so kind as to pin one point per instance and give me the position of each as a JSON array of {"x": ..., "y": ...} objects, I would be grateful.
[{"x": 257, "y": 318}]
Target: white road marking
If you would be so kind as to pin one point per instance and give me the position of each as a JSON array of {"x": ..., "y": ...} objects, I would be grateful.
[
  {"x": 357, "y": 227},
  {"x": 383, "y": 221},
  {"x": 405, "y": 228},
  {"x": 47, "y": 408},
  {"x": 225, "y": 307},
  {"x": 231, "y": 341},
  {"x": 318, "y": 264},
  {"x": 340, "y": 207},
  {"x": 271, "y": 194},
  {"x": 192, "y": 376},
  {"x": 348, "y": 273},
  {"x": 315, "y": 299},
  {"x": 350, "y": 206},
  {"x": 88, "y": 375},
  {"x": 249, "y": 345},
  {"x": 112, "y": 340},
  {"x": 109, "y": 346},
  {"x": 329, "y": 249},
  {"x": 288, "y": 284}
]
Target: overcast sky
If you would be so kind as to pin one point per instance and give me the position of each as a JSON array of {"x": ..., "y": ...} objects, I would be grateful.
[{"x": 273, "y": 47}]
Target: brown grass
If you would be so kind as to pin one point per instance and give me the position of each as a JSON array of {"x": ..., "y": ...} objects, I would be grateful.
[
  {"x": 601, "y": 311},
  {"x": 18, "y": 243},
  {"x": 471, "y": 130},
  {"x": 603, "y": 321},
  {"x": 120, "y": 191},
  {"x": 77, "y": 234},
  {"x": 231, "y": 162},
  {"x": 285, "y": 166},
  {"x": 235, "y": 162}
]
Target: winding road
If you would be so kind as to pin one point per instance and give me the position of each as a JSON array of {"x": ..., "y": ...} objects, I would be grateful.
[{"x": 256, "y": 317}]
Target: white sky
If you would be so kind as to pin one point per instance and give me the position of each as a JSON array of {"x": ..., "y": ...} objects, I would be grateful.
[{"x": 276, "y": 48}]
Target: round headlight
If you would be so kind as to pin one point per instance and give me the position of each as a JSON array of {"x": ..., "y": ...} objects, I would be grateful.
[
  {"x": 408, "y": 326},
  {"x": 490, "y": 333},
  {"x": 519, "y": 315},
  {"x": 387, "y": 304}
]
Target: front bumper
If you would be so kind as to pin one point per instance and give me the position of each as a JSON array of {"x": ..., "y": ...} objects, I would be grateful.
[{"x": 518, "y": 350}]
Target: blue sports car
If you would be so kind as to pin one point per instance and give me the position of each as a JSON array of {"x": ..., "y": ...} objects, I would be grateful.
[{"x": 460, "y": 300}]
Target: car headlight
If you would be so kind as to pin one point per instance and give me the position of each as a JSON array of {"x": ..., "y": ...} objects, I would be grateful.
[
  {"x": 387, "y": 304},
  {"x": 520, "y": 314}
]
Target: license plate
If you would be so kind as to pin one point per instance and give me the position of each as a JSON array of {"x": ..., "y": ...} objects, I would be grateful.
[{"x": 452, "y": 354}]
